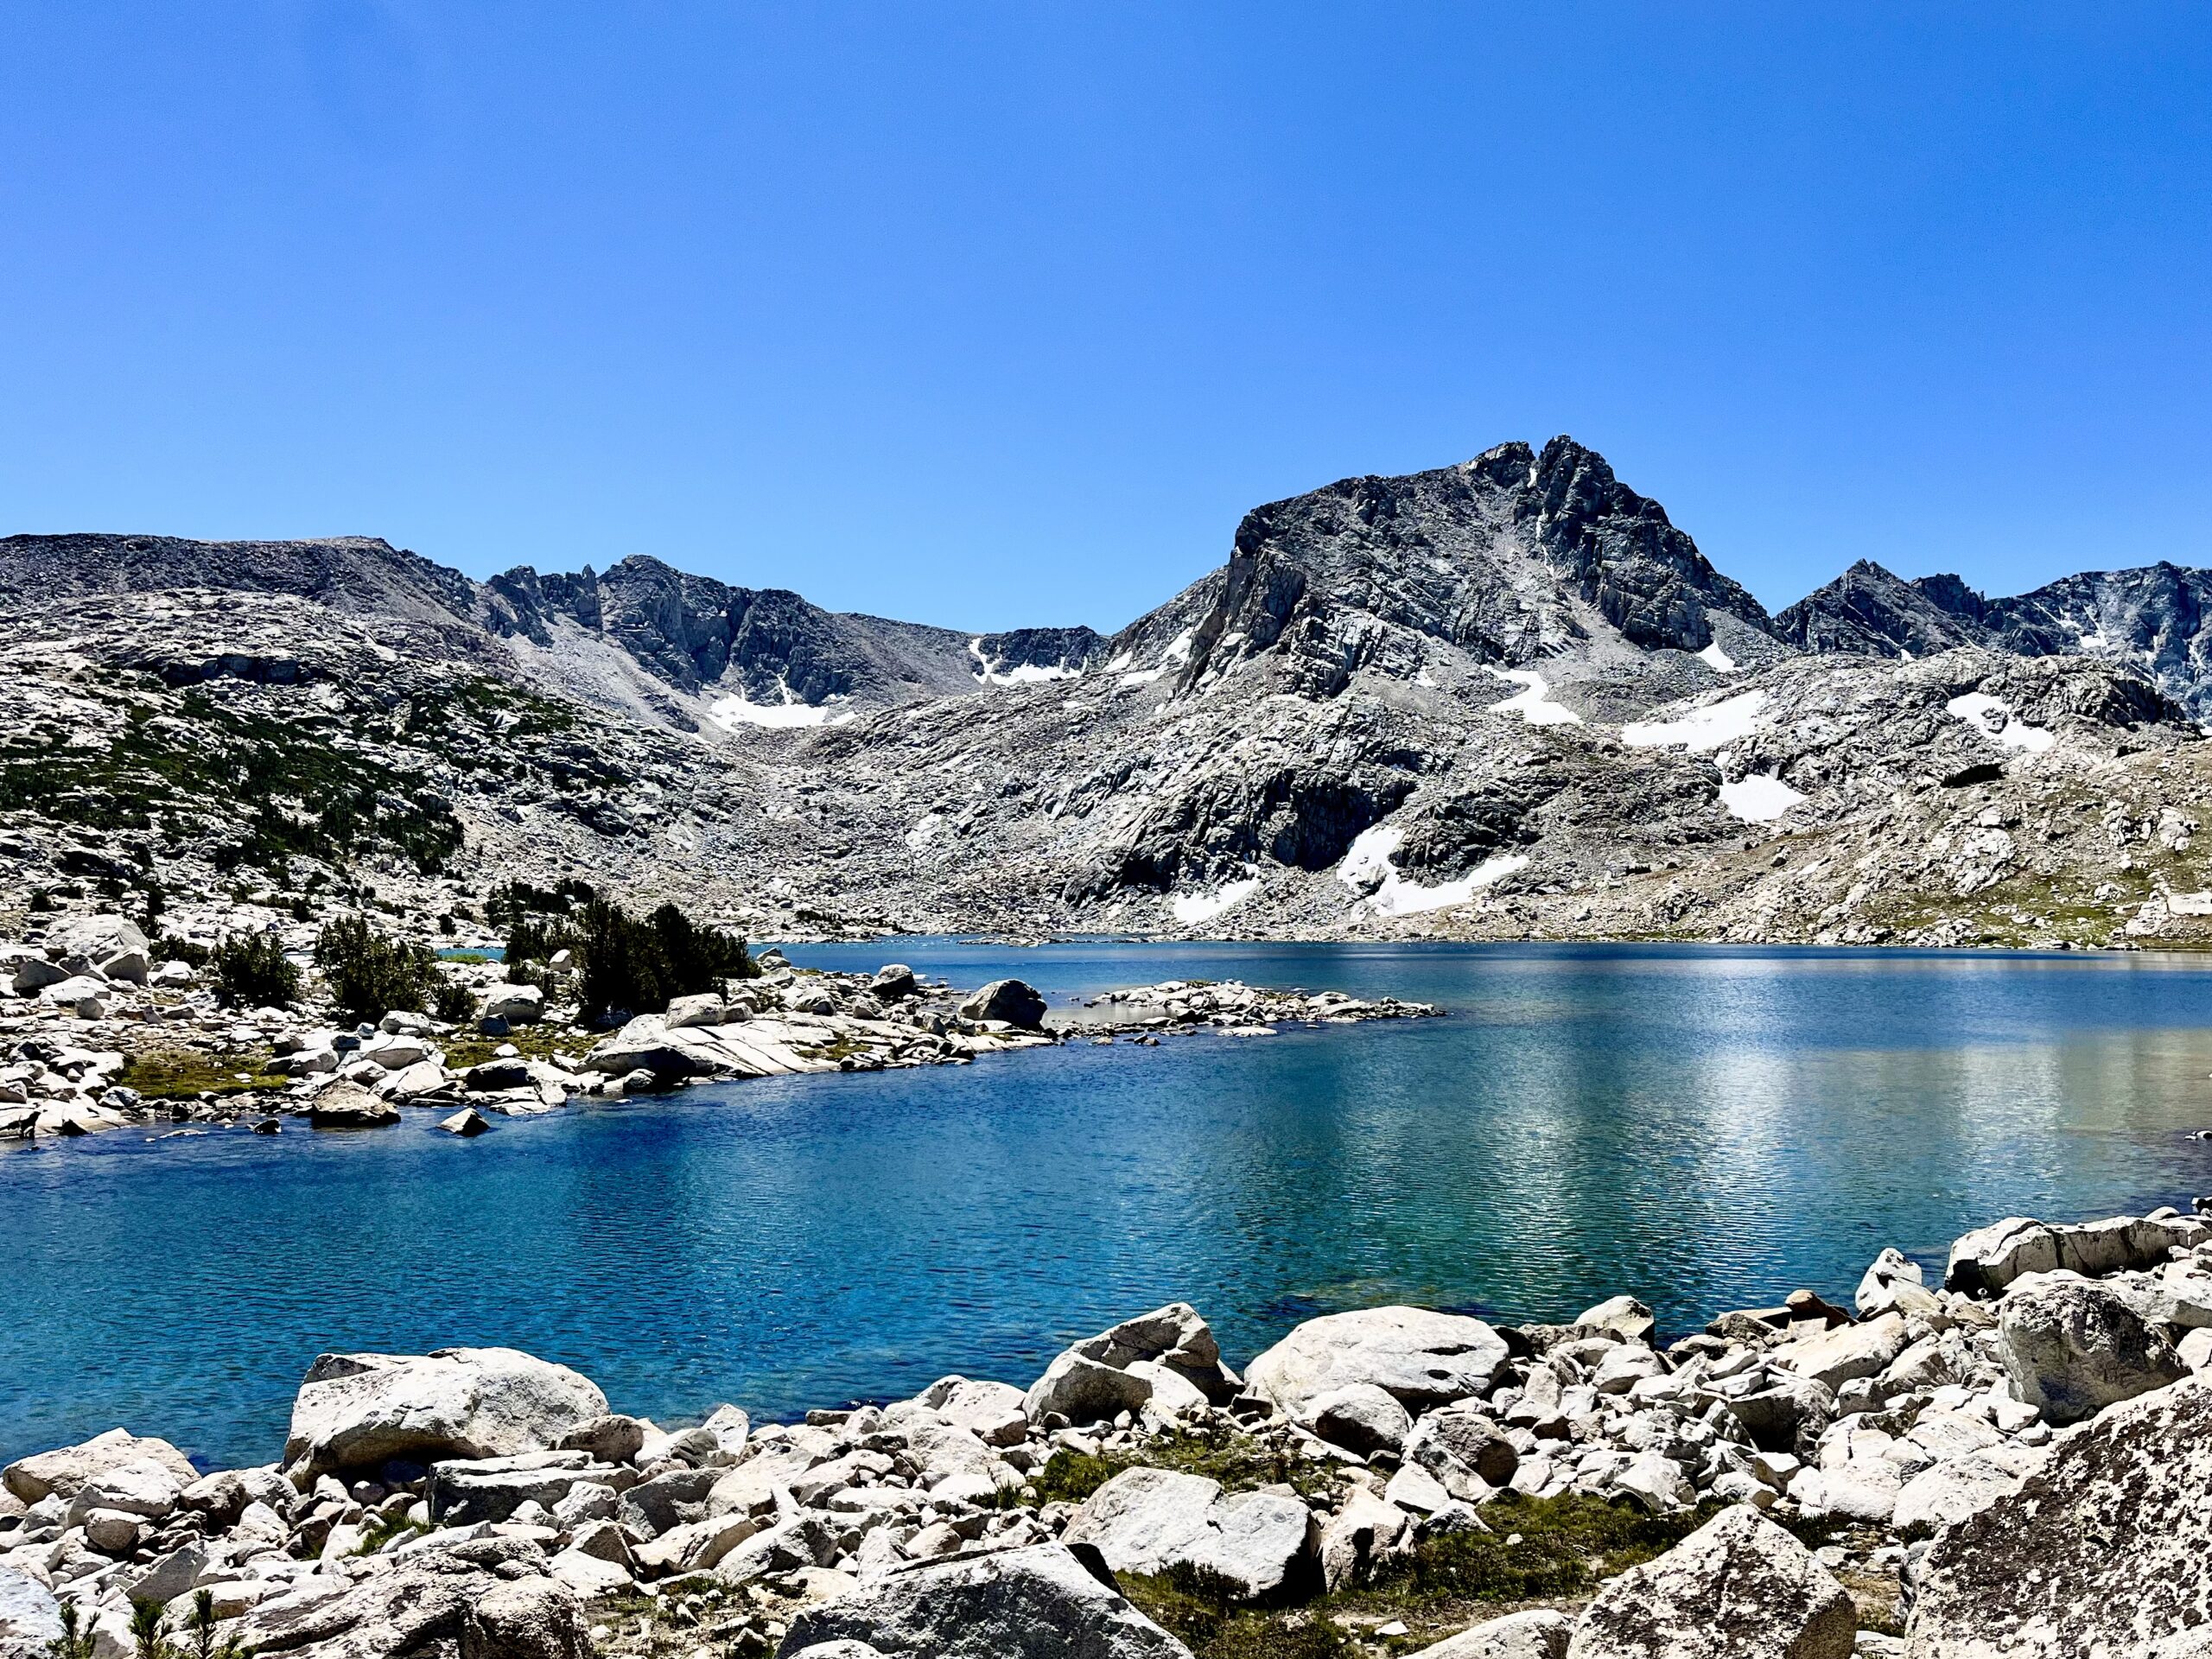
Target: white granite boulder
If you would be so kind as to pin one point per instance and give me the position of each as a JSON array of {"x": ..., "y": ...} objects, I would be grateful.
[
  {"x": 2073, "y": 1347},
  {"x": 1738, "y": 1587},
  {"x": 1148, "y": 1520},
  {"x": 355, "y": 1410},
  {"x": 1423, "y": 1358},
  {"x": 1033, "y": 1603}
]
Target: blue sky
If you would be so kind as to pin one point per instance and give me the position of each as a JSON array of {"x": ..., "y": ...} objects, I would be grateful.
[{"x": 990, "y": 315}]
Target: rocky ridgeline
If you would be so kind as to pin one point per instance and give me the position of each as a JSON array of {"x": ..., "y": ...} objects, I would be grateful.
[
  {"x": 89, "y": 1001},
  {"x": 2014, "y": 1462}
]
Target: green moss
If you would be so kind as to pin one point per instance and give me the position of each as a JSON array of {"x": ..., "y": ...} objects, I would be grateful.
[
  {"x": 1538, "y": 1549},
  {"x": 186, "y": 1074},
  {"x": 1238, "y": 1462}
]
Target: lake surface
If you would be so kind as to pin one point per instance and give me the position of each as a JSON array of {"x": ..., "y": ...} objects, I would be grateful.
[{"x": 1709, "y": 1128}]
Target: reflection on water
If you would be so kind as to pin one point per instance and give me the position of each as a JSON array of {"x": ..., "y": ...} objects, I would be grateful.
[{"x": 1709, "y": 1128}]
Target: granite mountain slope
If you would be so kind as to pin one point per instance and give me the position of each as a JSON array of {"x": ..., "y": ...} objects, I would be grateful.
[
  {"x": 1501, "y": 699},
  {"x": 2153, "y": 620}
]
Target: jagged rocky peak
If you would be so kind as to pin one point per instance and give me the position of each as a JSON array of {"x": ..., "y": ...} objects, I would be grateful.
[
  {"x": 2152, "y": 619},
  {"x": 1513, "y": 557},
  {"x": 1867, "y": 611}
]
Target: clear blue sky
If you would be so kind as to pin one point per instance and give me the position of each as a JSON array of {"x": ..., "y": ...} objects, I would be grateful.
[{"x": 987, "y": 315}]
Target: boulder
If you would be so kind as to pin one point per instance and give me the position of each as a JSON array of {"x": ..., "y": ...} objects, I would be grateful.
[
  {"x": 1989, "y": 1258},
  {"x": 1540, "y": 1634},
  {"x": 894, "y": 982},
  {"x": 610, "y": 1439},
  {"x": 1173, "y": 1337},
  {"x": 354, "y": 1410},
  {"x": 1739, "y": 1586},
  {"x": 143, "y": 1486},
  {"x": 114, "y": 944},
  {"x": 518, "y": 1005},
  {"x": 1039, "y": 1602},
  {"x": 1946, "y": 1493},
  {"x": 1359, "y": 1417},
  {"x": 526, "y": 1618},
  {"x": 30, "y": 1619},
  {"x": 1786, "y": 1416},
  {"x": 1836, "y": 1357},
  {"x": 705, "y": 1008},
  {"x": 492, "y": 1489},
  {"x": 1469, "y": 1455},
  {"x": 344, "y": 1105},
  {"x": 646, "y": 1044},
  {"x": 1893, "y": 1284},
  {"x": 1149, "y": 1520},
  {"x": 995, "y": 1413},
  {"x": 1084, "y": 1391},
  {"x": 1011, "y": 1000},
  {"x": 1623, "y": 1316},
  {"x": 467, "y": 1124},
  {"x": 1367, "y": 1531},
  {"x": 1423, "y": 1358},
  {"x": 63, "y": 1471},
  {"x": 418, "y": 1605},
  {"x": 2099, "y": 1554},
  {"x": 2073, "y": 1347}
]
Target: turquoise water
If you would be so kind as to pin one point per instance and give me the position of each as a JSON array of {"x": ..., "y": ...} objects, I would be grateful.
[{"x": 1709, "y": 1128}]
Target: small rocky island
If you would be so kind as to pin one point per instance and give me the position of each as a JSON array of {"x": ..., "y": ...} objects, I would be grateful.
[
  {"x": 2012, "y": 1461},
  {"x": 101, "y": 1033}
]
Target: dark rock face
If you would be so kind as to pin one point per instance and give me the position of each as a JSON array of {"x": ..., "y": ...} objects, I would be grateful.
[
  {"x": 1511, "y": 556},
  {"x": 1869, "y": 611}
]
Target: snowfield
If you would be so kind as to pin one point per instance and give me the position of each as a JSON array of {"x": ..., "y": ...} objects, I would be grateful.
[{"x": 1702, "y": 730}]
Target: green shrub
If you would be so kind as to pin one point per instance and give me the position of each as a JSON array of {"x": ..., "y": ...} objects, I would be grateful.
[
  {"x": 370, "y": 974},
  {"x": 452, "y": 1002},
  {"x": 250, "y": 971},
  {"x": 636, "y": 967}
]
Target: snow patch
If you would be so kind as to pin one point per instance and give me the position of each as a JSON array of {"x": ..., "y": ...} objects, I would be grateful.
[
  {"x": 1701, "y": 729},
  {"x": 1119, "y": 663},
  {"x": 1177, "y": 652},
  {"x": 1995, "y": 719},
  {"x": 1759, "y": 799},
  {"x": 925, "y": 832},
  {"x": 1533, "y": 701},
  {"x": 1193, "y": 908},
  {"x": 1714, "y": 658},
  {"x": 1366, "y": 868},
  {"x": 1142, "y": 677},
  {"x": 731, "y": 712},
  {"x": 1399, "y": 897},
  {"x": 988, "y": 673}
]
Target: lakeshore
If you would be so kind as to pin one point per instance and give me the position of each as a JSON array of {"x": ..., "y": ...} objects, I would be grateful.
[{"x": 1806, "y": 1478}]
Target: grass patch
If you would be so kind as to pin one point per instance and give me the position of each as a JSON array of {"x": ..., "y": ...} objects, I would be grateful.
[
  {"x": 186, "y": 1074},
  {"x": 542, "y": 1041},
  {"x": 1540, "y": 1549},
  {"x": 1238, "y": 1462},
  {"x": 1197, "y": 1607}
]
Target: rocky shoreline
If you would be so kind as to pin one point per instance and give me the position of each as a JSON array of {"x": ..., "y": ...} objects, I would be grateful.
[
  {"x": 91, "y": 1013},
  {"x": 2011, "y": 1461}
]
